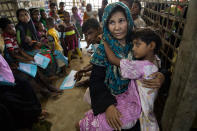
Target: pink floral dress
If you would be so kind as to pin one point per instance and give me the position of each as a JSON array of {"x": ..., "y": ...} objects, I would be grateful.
[
  {"x": 137, "y": 70},
  {"x": 130, "y": 102}
]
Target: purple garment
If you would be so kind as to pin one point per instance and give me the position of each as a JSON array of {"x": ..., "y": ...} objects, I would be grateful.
[
  {"x": 128, "y": 103},
  {"x": 77, "y": 18},
  {"x": 5, "y": 71}
]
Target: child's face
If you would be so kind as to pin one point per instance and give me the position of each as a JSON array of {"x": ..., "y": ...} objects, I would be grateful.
[
  {"x": 62, "y": 7},
  {"x": 74, "y": 10},
  {"x": 140, "y": 49},
  {"x": 10, "y": 29},
  {"x": 44, "y": 15},
  {"x": 41, "y": 27},
  {"x": 36, "y": 16},
  {"x": 89, "y": 8},
  {"x": 66, "y": 17},
  {"x": 117, "y": 25},
  {"x": 53, "y": 9},
  {"x": 91, "y": 36},
  {"x": 135, "y": 10},
  {"x": 24, "y": 17}
]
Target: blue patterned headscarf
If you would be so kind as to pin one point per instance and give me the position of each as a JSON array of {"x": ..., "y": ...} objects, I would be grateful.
[{"x": 113, "y": 80}]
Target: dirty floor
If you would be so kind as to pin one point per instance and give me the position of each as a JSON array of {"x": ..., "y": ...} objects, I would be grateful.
[{"x": 70, "y": 107}]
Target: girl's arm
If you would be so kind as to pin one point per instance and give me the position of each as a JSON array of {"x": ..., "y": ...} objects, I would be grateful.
[
  {"x": 76, "y": 30},
  {"x": 111, "y": 56}
]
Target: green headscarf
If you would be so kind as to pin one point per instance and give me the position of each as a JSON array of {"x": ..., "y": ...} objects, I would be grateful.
[{"x": 113, "y": 80}]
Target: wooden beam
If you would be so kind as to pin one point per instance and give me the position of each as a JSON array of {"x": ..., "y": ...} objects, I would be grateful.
[{"x": 181, "y": 105}]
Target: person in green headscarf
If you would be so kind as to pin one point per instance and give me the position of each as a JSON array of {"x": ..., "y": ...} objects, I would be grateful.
[{"x": 117, "y": 27}]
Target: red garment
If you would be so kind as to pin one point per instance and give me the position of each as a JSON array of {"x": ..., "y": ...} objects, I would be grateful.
[
  {"x": 10, "y": 42},
  {"x": 71, "y": 40}
]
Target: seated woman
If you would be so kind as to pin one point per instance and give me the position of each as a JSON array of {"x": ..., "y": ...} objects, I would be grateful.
[
  {"x": 115, "y": 106},
  {"x": 25, "y": 29},
  {"x": 18, "y": 101}
]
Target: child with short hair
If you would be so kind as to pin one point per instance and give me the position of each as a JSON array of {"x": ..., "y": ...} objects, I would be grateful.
[
  {"x": 54, "y": 41},
  {"x": 53, "y": 9},
  {"x": 9, "y": 34},
  {"x": 41, "y": 31},
  {"x": 146, "y": 44},
  {"x": 72, "y": 36},
  {"x": 61, "y": 10}
]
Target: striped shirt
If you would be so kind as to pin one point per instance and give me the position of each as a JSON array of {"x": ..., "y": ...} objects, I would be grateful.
[{"x": 10, "y": 42}]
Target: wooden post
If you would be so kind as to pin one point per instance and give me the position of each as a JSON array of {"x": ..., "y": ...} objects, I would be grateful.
[{"x": 181, "y": 105}]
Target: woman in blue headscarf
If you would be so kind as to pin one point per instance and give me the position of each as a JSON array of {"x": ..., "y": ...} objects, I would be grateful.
[{"x": 113, "y": 95}]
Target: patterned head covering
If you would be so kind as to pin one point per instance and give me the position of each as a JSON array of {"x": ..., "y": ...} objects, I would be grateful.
[{"x": 113, "y": 80}]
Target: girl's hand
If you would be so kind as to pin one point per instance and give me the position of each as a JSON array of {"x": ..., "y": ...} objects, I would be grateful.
[
  {"x": 113, "y": 117},
  {"x": 156, "y": 82}
]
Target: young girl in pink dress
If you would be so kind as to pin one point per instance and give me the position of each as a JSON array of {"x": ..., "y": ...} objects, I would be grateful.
[{"x": 145, "y": 45}]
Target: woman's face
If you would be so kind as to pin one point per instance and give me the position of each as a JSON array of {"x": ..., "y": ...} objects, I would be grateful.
[
  {"x": 118, "y": 25},
  {"x": 89, "y": 8},
  {"x": 24, "y": 17}
]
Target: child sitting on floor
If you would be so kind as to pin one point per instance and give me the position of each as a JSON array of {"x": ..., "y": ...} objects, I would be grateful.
[
  {"x": 14, "y": 55},
  {"x": 9, "y": 34}
]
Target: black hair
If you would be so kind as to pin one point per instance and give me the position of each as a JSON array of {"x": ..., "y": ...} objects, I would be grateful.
[
  {"x": 138, "y": 3},
  {"x": 52, "y": 4},
  {"x": 105, "y": 2},
  {"x": 50, "y": 21},
  {"x": 148, "y": 35},
  {"x": 90, "y": 23},
  {"x": 61, "y": 3},
  {"x": 20, "y": 10},
  {"x": 4, "y": 22}
]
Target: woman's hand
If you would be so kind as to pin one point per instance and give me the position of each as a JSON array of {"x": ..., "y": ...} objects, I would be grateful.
[
  {"x": 156, "y": 82},
  {"x": 113, "y": 117}
]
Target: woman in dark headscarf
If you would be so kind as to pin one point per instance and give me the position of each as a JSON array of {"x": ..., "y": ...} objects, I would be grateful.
[{"x": 25, "y": 29}]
